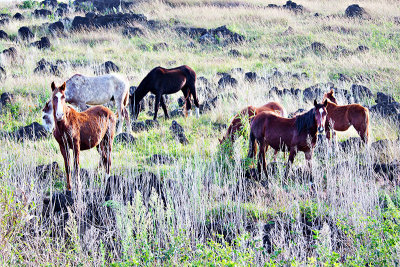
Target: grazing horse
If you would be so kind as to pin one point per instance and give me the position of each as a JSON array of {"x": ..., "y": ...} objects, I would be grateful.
[
  {"x": 82, "y": 131},
  {"x": 342, "y": 117},
  {"x": 161, "y": 81},
  {"x": 293, "y": 135},
  {"x": 249, "y": 113},
  {"x": 83, "y": 90}
]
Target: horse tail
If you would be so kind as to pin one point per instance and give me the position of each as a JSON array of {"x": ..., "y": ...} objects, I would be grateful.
[{"x": 191, "y": 83}]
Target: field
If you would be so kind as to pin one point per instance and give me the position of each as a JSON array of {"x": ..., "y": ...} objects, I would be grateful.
[{"x": 215, "y": 213}]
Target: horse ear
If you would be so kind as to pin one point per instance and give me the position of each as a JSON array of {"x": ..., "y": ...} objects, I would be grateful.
[
  {"x": 315, "y": 102},
  {"x": 325, "y": 102},
  {"x": 62, "y": 87},
  {"x": 53, "y": 86}
]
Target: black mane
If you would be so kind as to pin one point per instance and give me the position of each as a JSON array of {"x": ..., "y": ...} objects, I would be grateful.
[{"x": 305, "y": 121}]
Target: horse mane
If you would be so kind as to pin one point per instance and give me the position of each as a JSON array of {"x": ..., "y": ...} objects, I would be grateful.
[{"x": 305, "y": 121}]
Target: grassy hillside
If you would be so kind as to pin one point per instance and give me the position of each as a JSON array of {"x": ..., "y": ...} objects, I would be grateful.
[{"x": 216, "y": 215}]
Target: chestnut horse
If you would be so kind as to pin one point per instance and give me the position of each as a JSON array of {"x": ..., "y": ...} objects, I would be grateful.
[
  {"x": 342, "y": 117},
  {"x": 161, "y": 81},
  {"x": 82, "y": 131},
  {"x": 293, "y": 135},
  {"x": 249, "y": 113}
]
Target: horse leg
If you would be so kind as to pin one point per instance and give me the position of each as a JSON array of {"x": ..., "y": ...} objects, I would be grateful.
[
  {"x": 76, "y": 163},
  {"x": 264, "y": 161},
  {"x": 188, "y": 105},
  {"x": 292, "y": 155},
  {"x": 261, "y": 158},
  {"x": 164, "y": 107},
  {"x": 195, "y": 100},
  {"x": 127, "y": 119},
  {"x": 65, "y": 153},
  {"x": 156, "y": 106},
  {"x": 120, "y": 119},
  {"x": 252, "y": 146},
  {"x": 308, "y": 155}
]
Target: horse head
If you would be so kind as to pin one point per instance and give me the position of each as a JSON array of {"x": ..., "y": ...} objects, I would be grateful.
[
  {"x": 58, "y": 100},
  {"x": 47, "y": 116},
  {"x": 330, "y": 96},
  {"x": 320, "y": 114}
]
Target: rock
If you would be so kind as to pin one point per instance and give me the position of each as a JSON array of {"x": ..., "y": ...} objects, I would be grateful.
[
  {"x": 355, "y": 11},
  {"x": 60, "y": 12},
  {"x": 293, "y": 6},
  {"x": 227, "y": 80},
  {"x": 146, "y": 182},
  {"x": 311, "y": 93},
  {"x": 49, "y": 3},
  {"x": 161, "y": 159},
  {"x": 4, "y": 21},
  {"x": 386, "y": 108},
  {"x": 3, "y": 35},
  {"x": 382, "y": 98},
  {"x": 48, "y": 171},
  {"x": 45, "y": 67},
  {"x": 250, "y": 76},
  {"x": 389, "y": 171},
  {"x": 287, "y": 59},
  {"x": 317, "y": 47},
  {"x": 6, "y": 99},
  {"x": 178, "y": 132},
  {"x": 225, "y": 36},
  {"x": 132, "y": 31},
  {"x": 106, "y": 67},
  {"x": 144, "y": 47},
  {"x": 25, "y": 33},
  {"x": 42, "y": 13},
  {"x": 18, "y": 16},
  {"x": 144, "y": 125},
  {"x": 176, "y": 113},
  {"x": 360, "y": 92},
  {"x": 125, "y": 138},
  {"x": 351, "y": 143},
  {"x": 59, "y": 202},
  {"x": 33, "y": 131},
  {"x": 208, "y": 38},
  {"x": 234, "y": 53},
  {"x": 44, "y": 43},
  {"x": 3, "y": 74},
  {"x": 10, "y": 53},
  {"x": 160, "y": 46},
  {"x": 56, "y": 27},
  {"x": 362, "y": 48},
  {"x": 106, "y": 21}
]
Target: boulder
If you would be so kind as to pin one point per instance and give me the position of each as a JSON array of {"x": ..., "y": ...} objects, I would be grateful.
[
  {"x": 33, "y": 131},
  {"x": 25, "y": 33},
  {"x": 10, "y": 53},
  {"x": 3, "y": 74},
  {"x": 18, "y": 16},
  {"x": 3, "y": 35},
  {"x": 6, "y": 99},
  {"x": 48, "y": 171},
  {"x": 125, "y": 138},
  {"x": 178, "y": 132},
  {"x": 132, "y": 31},
  {"x": 106, "y": 21},
  {"x": 317, "y": 47},
  {"x": 44, "y": 43},
  {"x": 293, "y": 6},
  {"x": 360, "y": 92},
  {"x": 56, "y": 27},
  {"x": 160, "y": 46},
  {"x": 226, "y": 81},
  {"x": 161, "y": 159},
  {"x": 355, "y": 11},
  {"x": 42, "y": 13},
  {"x": 250, "y": 76}
]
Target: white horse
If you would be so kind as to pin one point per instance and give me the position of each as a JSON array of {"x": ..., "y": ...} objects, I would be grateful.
[{"x": 82, "y": 91}]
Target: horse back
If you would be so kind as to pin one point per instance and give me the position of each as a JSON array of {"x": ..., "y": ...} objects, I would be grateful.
[{"x": 272, "y": 106}]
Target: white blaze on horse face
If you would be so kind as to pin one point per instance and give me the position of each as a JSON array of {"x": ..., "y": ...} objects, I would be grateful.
[
  {"x": 59, "y": 111},
  {"x": 321, "y": 120}
]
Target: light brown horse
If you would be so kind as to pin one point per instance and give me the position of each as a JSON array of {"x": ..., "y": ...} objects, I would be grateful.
[
  {"x": 248, "y": 114},
  {"x": 283, "y": 134},
  {"x": 342, "y": 117},
  {"x": 82, "y": 131}
]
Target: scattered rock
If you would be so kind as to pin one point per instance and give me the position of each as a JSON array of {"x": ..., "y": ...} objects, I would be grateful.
[
  {"x": 45, "y": 67},
  {"x": 250, "y": 76},
  {"x": 25, "y": 33},
  {"x": 48, "y": 171},
  {"x": 3, "y": 35},
  {"x": 56, "y": 27},
  {"x": 44, "y": 43},
  {"x": 287, "y": 59},
  {"x": 4, "y": 21},
  {"x": 42, "y": 13},
  {"x": 34, "y": 131},
  {"x": 225, "y": 36},
  {"x": 106, "y": 21},
  {"x": 138, "y": 126},
  {"x": 160, "y": 46},
  {"x": 49, "y": 3},
  {"x": 132, "y": 31},
  {"x": 125, "y": 138},
  {"x": 10, "y": 53},
  {"x": 234, "y": 53},
  {"x": 227, "y": 80},
  {"x": 58, "y": 203},
  {"x": 362, "y": 48},
  {"x": 360, "y": 92},
  {"x": 355, "y": 11},
  {"x": 389, "y": 171},
  {"x": 293, "y": 6},
  {"x": 351, "y": 143},
  {"x": 178, "y": 132},
  {"x": 386, "y": 105},
  {"x": 6, "y": 99},
  {"x": 161, "y": 159},
  {"x": 18, "y": 16},
  {"x": 106, "y": 67},
  {"x": 317, "y": 47},
  {"x": 3, "y": 74}
]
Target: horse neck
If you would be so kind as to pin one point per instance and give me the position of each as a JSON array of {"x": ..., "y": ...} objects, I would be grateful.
[
  {"x": 331, "y": 106},
  {"x": 141, "y": 90}
]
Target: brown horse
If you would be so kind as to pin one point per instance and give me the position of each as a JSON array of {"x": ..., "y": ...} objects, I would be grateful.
[
  {"x": 161, "y": 81},
  {"x": 342, "y": 117},
  {"x": 293, "y": 135},
  {"x": 248, "y": 114},
  {"x": 82, "y": 131}
]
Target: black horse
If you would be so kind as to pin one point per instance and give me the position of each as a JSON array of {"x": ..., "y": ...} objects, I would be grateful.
[{"x": 161, "y": 81}]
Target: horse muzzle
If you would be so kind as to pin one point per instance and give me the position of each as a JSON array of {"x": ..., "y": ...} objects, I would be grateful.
[
  {"x": 321, "y": 129},
  {"x": 59, "y": 117}
]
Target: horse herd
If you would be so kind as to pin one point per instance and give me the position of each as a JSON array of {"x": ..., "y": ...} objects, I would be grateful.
[{"x": 95, "y": 126}]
